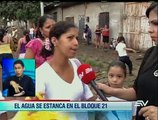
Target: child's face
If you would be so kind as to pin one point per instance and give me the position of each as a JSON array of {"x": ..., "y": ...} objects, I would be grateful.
[
  {"x": 116, "y": 77},
  {"x": 18, "y": 69}
]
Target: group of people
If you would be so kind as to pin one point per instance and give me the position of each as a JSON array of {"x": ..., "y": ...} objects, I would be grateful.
[
  {"x": 104, "y": 32},
  {"x": 10, "y": 43},
  {"x": 54, "y": 49},
  {"x": 120, "y": 46}
]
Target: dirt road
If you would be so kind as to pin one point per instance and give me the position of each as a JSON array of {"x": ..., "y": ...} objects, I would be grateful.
[{"x": 100, "y": 59}]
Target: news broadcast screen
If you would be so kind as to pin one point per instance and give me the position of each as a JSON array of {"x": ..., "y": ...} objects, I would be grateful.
[
  {"x": 18, "y": 87},
  {"x": 78, "y": 60}
]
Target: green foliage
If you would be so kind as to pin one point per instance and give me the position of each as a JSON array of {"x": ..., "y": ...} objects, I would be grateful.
[{"x": 22, "y": 11}]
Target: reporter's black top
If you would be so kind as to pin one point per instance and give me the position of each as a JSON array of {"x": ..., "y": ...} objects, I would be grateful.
[{"x": 146, "y": 83}]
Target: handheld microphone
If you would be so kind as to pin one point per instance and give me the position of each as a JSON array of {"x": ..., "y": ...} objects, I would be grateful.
[{"x": 87, "y": 75}]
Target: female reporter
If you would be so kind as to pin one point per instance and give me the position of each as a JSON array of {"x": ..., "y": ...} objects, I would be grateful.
[{"x": 146, "y": 84}]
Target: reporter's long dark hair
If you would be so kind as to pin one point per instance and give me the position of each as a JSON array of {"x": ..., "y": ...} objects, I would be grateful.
[
  {"x": 59, "y": 29},
  {"x": 150, "y": 57},
  {"x": 152, "y": 7}
]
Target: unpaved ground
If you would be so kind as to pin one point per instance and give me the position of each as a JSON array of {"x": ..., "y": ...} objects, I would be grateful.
[{"x": 100, "y": 59}]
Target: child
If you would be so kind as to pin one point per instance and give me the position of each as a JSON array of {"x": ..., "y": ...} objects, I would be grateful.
[
  {"x": 116, "y": 76},
  {"x": 122, "y": 52},
  {"x": 116, "y": 73}
]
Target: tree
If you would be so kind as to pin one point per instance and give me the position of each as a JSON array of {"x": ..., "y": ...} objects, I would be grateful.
[{"x": 22, "y": 11}]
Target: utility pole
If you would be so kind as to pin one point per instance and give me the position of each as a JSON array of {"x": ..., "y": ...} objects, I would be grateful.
[{"x": 42, "y": 8}]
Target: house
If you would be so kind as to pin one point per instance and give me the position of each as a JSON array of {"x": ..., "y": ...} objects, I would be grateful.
[{"x": 125, "y": 17}]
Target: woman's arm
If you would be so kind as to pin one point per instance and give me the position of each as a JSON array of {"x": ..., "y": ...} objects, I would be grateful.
[
  {"x": 29, "y": 53},
  {"x": 18, "y": 49},
  {"x": 127, "y": 94},
  {"x": 130, "y": 49},
  {"x": 33, "y": 47}
]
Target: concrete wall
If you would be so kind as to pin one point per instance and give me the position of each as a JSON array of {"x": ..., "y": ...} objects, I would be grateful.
[
  {"x": 116, "y": 11},
  {"x": 92, "y": 11}
]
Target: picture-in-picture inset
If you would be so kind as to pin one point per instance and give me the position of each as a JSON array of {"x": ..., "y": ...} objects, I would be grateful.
[{"x": 18, "y": 77}]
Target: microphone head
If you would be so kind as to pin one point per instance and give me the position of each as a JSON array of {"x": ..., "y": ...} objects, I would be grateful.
[{"x": 86, "y": 73}]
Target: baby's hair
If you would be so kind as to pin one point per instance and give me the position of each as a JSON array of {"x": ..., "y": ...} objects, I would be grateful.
[{"x": 118, "y": 64}]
